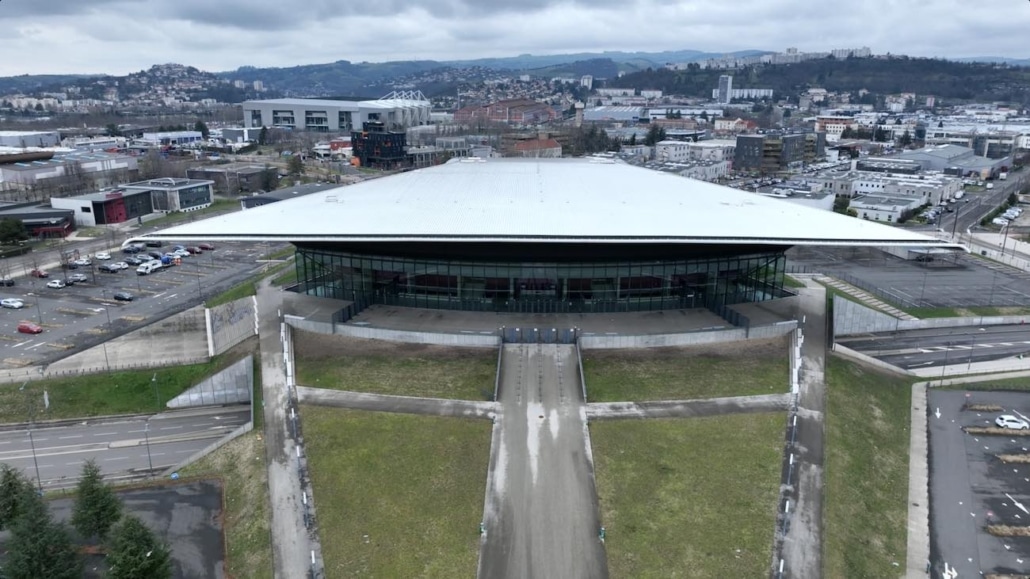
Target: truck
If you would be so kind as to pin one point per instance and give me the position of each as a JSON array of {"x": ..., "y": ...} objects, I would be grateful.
[
  {"x": 990, "y": 185},
  {"x": 1003, "y": 175}
]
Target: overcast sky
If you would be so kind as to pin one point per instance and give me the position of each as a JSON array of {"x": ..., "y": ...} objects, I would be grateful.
[{"x": 122, "y": 36}]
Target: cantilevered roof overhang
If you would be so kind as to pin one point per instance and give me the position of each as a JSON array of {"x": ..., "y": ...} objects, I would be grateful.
[{"x": 543, "y": 201}]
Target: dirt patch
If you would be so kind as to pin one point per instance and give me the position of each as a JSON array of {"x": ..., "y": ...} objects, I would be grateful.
[
  {"x": 1008, "y": 531},
  {"x": 749, "y": 349},
  {"x": 320, "y": 346},
  {"x": 983, "y": 407},
  {"x": 1014, "y": 458},
  {"x": 996, "y": 431}
]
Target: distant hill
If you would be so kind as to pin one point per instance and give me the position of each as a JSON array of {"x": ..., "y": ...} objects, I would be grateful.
[
  {"x": 944, "y": 79},
  {"x": 996, "y": 60},
  {"x": 27, "y": 83}
]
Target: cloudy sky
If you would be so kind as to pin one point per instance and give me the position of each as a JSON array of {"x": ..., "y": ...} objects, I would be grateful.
[{"x": 122, "y": 36}]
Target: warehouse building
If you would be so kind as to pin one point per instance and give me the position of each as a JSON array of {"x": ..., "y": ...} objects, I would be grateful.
[{"x": 397, "y": 111}]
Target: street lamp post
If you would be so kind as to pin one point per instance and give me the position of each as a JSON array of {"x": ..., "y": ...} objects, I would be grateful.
[
  {"x": 32, "y": 443},
  {"x": 39, "y": 312},
  {"x": 146, "y": 435},
  {"x": 157, "y": 398}
]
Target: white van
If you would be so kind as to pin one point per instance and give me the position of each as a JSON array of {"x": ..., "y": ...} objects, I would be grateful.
[{"x": 148, "y": 267}]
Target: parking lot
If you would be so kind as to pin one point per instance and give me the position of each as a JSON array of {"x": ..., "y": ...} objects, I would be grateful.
[
  {"x": 958, "y": 281},
  {"x": 86, "y": 313},
  {"x": 971, "y": 488}
]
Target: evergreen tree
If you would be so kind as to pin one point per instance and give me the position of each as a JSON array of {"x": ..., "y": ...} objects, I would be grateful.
[
  {"x": 97, "y": 508},
  {"x": 633, "y": 139},
  {"x": 39, "y": 547},
  {"x": 201, "y": 128},
  {"x": 906, "y": 139},
  {"x": 295, "y": 165},
  {"x": 15, "y": 491},
  {"x": 136, "y": 553},
  {"x": 263, "y": 136}
]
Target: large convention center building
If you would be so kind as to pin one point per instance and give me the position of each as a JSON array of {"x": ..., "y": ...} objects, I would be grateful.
[{"x": 542, "y": 235}]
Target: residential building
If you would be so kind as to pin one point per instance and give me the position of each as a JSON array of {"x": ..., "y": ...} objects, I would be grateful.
[
  {"x": 834, "y": 125},
  {"x": 671, "y": 151},
  {"x": 769, "y": 153},
  {"x": 379, "y": 148},
  {"x": 745, "y": 94},
  {"x": 725, "y": 89}
]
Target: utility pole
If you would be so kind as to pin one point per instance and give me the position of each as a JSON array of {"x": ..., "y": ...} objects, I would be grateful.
[{"x": 32, "y": 443}]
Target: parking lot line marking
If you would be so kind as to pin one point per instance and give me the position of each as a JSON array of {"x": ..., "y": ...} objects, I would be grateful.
[
  {"x": 36, "y": 346},
  {"x": 171, "y": 296},
  {"x": 160, "y": 294},
  {"x": 170, "y": 427},
  {"x": 106, "y": 434},
  {"x": 67, "y": 437},
  {"x": 22, "y": 344},
  {"x": 116, "y": 458}
]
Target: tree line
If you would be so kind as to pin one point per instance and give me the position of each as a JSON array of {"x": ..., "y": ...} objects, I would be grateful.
[{"x": 40, "y": 547}]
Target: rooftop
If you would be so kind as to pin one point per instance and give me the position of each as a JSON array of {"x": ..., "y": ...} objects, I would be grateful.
[{"x": 543, "y": 200}]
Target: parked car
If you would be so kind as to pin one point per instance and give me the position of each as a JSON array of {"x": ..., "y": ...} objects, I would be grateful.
[
  {"x": 84, "y": 261},
  {"x": 180, "y": 253},
  {"x": 133, "y": 260},
  {"x": 77, "y": 278},
  {"x": 1010, "y": 421},
  {"x": 124, "y": 296},
  {"x": 206, "y": 246},
  {"x": 12, "y": 303},
  {"x": 134, "y": 248},
  {"x": 6, "y": 281},
  {"x": 120, "y": 265},
  {"x": 155, "y": 254},
  {"x": 102, "y": 255},
  {"x": 154, "y": 243},
  {"x": 29, "y": 328},
  {"x": 70, "y": 265},
  {"x": 39, "y": 273},
  {"x": 55, "y": 284},
  {"x": 194, "y": 250}
]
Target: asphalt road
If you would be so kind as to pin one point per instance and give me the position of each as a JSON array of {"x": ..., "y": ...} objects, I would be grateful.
[
  {"x": 120, "y": 446},
  {"x": 941, "y": 347},
  {"x": 970, "y": 487},
  {"x": 975, "y": 206},
  {"x": 83, "y": 314}
]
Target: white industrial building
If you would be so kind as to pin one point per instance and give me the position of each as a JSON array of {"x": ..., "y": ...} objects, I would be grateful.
[
  {"x": 883, "y": 208},
  {"x": 25, "y": 139},
  {"x": 398, "y": 110}
]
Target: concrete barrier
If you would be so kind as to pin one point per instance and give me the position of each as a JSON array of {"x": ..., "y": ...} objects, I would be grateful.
[
  {"x": 582, "y": 375},
  {"x": 211, "y": 447},
  {"x": 861, "y": 358},
  {"x": 614, "y": 342},
  {"x": 229, "y": 324},
  {"x": 851, "y": 318},
  {"x": 403, "y": 336}
]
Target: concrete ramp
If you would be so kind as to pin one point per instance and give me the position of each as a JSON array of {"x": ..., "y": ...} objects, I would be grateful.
[{"x": 541, "y": 513}]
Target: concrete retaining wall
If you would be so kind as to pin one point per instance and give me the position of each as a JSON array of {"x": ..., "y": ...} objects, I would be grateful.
[
  {"x": 229, "y": 324},
  {"x": 212, "y": 447},
  {"x": 232, "y": 385},
  {"x": 850, "y": 318},
  {"x": 438, "y": 339},
  {"x": 861, "y": 358},
  {"x": 686, "y": 338}
]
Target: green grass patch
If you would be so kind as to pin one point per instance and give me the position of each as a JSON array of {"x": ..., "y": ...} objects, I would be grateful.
[
  {"x": 757, "y": 367},
  {"x": 217, "y": 206},
  {"x": 865, "y": 508},
  {"x": 397, "y": 495},
  {"x": 240, "y": 465},
  {"x": 998, "y": 311},
  {"x": 932, "y": 312},
  {"x": 246, "y": 289},
  {"x": 388, "y": 368},
  {"x": 286, "y": 279},
  {"x": 127, "y": 392},
  {"x": 689, "y": 497},
  {"x": 791, "y": 282}
]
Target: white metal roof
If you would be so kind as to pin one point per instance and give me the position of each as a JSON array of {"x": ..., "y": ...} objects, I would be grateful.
[{"x": 559, "y": 200}]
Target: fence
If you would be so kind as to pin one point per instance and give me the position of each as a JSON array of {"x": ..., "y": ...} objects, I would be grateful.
[
  {"x": 539, "y": 335},
  {"x": 789, "y": 489}
]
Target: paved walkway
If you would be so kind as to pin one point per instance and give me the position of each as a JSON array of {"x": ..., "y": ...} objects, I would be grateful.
[
  {"x": 402, "y": 404},
  {"x": 864, "y": 297},
  {"x": 541, "y": 513},
  {"x": 291, "y": 542},
  {"x": 802, "y": 545},
  {"x": 918, "y": 552},
  {"x": 688, "y": 408}
]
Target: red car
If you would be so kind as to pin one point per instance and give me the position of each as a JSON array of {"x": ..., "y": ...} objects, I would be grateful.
[
  {"x": 29, "y": 328},
  {"x": 39, "y": 273},
  {"x": 206, "y": 246}
]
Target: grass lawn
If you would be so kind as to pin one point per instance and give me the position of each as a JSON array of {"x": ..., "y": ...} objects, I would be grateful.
[
  {"x": 923, "y": 313},
  {"x": 791, "y": 282},
  {"x": 246, "y": 289},
  {"x": 217, "y": 206},
  {"x": 387, "y": 368},
  {"x": 692, "y": 497},
  {"x": 241, "y": 466},
  {"x": 128, "y": 392},
  {"x": 865, "y": 506},
  {"x": 397, "y": 495},
  {"x": 758, "y": 367}
]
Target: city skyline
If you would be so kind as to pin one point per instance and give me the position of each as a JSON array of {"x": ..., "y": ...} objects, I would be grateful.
[{"x": 73, "y": 37}]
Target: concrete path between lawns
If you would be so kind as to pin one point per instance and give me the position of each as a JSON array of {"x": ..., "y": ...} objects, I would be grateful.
[
  {"x": 802, "y": 545},
  {"x": 541, "y": 510},
  {"x": 688, "y": 408},
  {"x": 291, "y": 542},
  {"x": 401, "y": 404}
]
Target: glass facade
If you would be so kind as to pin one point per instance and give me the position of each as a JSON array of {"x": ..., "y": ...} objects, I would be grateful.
[{"x": 512, "y": 286}]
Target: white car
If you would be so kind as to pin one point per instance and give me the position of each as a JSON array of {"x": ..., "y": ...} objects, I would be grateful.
[
  {"x": 83, "y": 262},
  {"x": 55, "y": 284},
  {"x": 120, "y": 265},
  {"x": 1012, "y": 422},
  {"x": 13, "y": 303},
  {"x": 103, "y": 255}
]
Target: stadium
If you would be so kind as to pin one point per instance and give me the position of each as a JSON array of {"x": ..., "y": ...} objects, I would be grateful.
[{"x": 543, "y": 236}]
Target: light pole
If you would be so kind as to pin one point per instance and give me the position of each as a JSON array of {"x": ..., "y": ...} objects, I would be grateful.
[
  {"x": 32, "y": 443},
  {"x": 157, "y": 398},
  {"x": 107, "y": 361},
  {"x": 146, "y": 435},
  {"x": 39, "y": 312}
]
